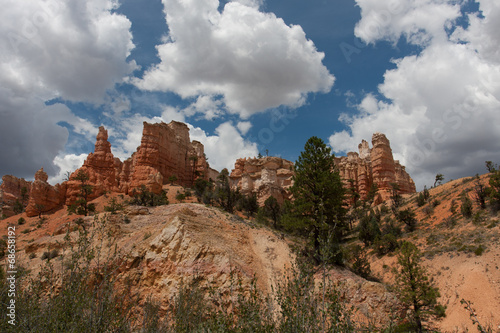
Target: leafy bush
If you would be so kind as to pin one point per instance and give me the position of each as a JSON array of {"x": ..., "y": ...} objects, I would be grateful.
[
  {"x": 407, "y": 217},
  {"x": 386, "y": 244},
  {"x": 479, "y": 251},
  {"x": 369, "y": 229},
  {"x": 79, "y": 297},
  {"x": 113, "y": 206},
  {"x": 180, "y": 197},
  {"x": 21, "y": 221},
  {"x": 144, "y": 197}
]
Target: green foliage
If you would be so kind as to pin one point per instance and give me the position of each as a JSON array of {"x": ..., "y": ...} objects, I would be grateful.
[
  {"x": 18, "y": 207},
  {"x": 479, "y": 251},
  {"x": 491, "y": 166},
  {"x": 24, "y": 195},
  {"x": 180, "y": 196},
  {"x": 369, "y": 229},
  {"x": 474, "y": 318},
  {"x": 144, "y": 197},
  {"x": 113, "y": 206},
  {"x": 77, "y": 297},
  {"x": 494, "y": 191},
  {"x": 372, "y": 192},
  {"x": 408, "y": 217},
  {"x": 388, "y": 241},
  {"x": 303, "y": 310},
  {"x": 317, "y": 209},
  {"x": 420, "y": 200},
  {"x": 40, "y": 209},
  {"x": 480, "y": 193},
  {"x": 81, "y": 206},
  {"x": 272, "y": 209},
  {"x": 172, "y": 179},
  {"x": 396, "y": 198},
  {"x": 413, "y": 284},
  {"x": 3, "y": 247},
  {"x": 426, "y": 193},
  {"x": 386, "y": 244},
  {"x": 352, "y": 193},
  {"x": 21, "y": 221},
  {"x": 360, "y": 264},
  {"x": 224, "y": 195},
  {"x": 466, "y": 208},
  {"x": 439, "y": 179},
  {"x": 248, "y": 204}
]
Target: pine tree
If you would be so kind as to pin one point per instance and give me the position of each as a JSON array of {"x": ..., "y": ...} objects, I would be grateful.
[
  {"x": 318, "y": 206},
  {"x": 273, "y": 210},
  {"x": 83, "y": 207},
  {"x": 414, "y": 286}
]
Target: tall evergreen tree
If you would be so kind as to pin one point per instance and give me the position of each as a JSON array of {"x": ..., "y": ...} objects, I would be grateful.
[
  {"x": 226, "y": 197},
  {"x": 318, "y": 205},
  {"x": 82, "y": 205}
]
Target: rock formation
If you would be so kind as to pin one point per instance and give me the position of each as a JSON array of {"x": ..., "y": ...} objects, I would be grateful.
[
  {"x": 165, "y": 151},
  {"x": 273, "y": 176},
  {"x": 11, "y": 190},
  {"x": 374, "y": 166},
  {"x": 101, "y": 168},
  {"x": 264, "y": 177},
  {"x": 43, "y": 196}
]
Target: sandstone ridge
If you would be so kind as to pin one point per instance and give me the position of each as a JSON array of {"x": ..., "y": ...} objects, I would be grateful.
[
  {"x": 264, "y": 177},
  {"x": 374, "y": 165},
  {"x": 273, "y": 176},
  {"x": 165, "y": 150}
]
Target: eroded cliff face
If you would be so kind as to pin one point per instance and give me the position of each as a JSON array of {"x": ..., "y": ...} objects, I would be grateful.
[
  {"x": 100, "y": 166},
  {"x": 44, "y": 197},
  {"x": 374, "y": 166},
  {"x": 10, "y": 191},
  {"x": 165, "y": 151},
  {"x": 264, "y": 177},
  {"x": 274, "y": 176},
  {"x": 170, "y": 246}
]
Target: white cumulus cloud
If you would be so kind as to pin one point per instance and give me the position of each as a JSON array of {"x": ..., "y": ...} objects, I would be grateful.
[
  {"x": 253, "y": 60},
  {"x": 440, "y": 108},
  {"x": 73, "y": 50}
]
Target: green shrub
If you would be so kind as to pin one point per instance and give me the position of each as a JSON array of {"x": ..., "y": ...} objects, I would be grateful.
[
  {"x": 386, "y": 244},
  {"x": 479, "y": 251},
  {"x": 360, "y": 264},
  {"x": 420, "y": 200},
  {"x": 466, "y": 208},
  {"x": 180, "y": 197},
  {"x": 113, "y": 206},
  {"x": 144, "y": 197},
  {"x": 407, "y": 217},
  {"x": 21, "y": 221},
  {"x": 3, "y": 247}
]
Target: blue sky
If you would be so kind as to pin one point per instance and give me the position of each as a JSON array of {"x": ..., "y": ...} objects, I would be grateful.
[{"x": 251, "y": 76}]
